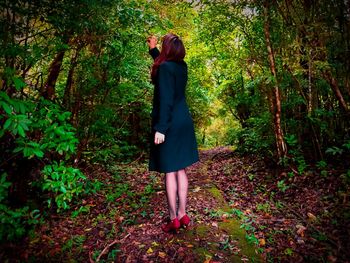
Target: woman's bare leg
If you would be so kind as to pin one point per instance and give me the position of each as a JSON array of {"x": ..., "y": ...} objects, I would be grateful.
[
  {"x": 182, "y": 183},
  {"x": 171, "y": 192}
]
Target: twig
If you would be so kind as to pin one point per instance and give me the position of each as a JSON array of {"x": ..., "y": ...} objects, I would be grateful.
[
  {"x": 329, "y": 238},
  {"x": 134, "y": 161},
  {"x": 90, "y": 257},
  {"x": 105, "y": 250}
]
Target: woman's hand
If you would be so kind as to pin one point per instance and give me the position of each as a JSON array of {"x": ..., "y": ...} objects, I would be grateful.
[
  {"x": 159, "y": 138},
  {"x": 152, "y": 41}
]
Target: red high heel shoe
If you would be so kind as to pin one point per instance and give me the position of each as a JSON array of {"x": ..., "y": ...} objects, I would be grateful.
[
  {"x": 173, "y": 226},
  {"x": 184, "y": 221}
]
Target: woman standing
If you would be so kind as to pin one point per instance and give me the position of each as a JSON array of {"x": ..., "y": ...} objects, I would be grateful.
[{"x": 173, "y": 146}]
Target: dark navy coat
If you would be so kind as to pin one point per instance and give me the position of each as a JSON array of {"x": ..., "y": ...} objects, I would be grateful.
[{"x": 171, "y": 116}]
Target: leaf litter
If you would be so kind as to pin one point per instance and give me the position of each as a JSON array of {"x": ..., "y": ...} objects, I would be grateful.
[{"x": 307, "y": 222}]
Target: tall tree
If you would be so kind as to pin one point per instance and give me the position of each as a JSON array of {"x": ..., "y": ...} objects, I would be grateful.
[{"x": 275, "y": 105}]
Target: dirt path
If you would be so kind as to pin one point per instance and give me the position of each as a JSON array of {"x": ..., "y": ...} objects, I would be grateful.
[{"x": 213, "y": 236}]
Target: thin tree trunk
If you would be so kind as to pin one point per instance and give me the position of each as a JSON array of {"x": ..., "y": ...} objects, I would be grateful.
[
  {"x": 69, "y": 83},
  {"x": 310, "y": 90},
  {"x": 48, "y": 90},
  {"x": 276, "y": 96},
  {"x": 335, "y": 87}
]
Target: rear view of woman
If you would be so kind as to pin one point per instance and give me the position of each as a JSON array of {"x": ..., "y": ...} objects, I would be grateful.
[{"x": 173, "y": 145}]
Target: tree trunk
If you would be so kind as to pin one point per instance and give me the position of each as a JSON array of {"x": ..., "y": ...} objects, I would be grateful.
[
  {"x": 335, "y": 87},
  {"x": 69, "y": 83},
  {"x": 275, "y": 104},
  {"x": 48, "y": 90}
]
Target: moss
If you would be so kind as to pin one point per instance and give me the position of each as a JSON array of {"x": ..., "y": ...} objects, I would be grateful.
[
  {"x": 209, "y": 233},
  {"x": 202, "y": 230},
  {"x": 233, "y": 228},
  {"x": 202, "y": 253},
  {"x": 217, "y": 194}
]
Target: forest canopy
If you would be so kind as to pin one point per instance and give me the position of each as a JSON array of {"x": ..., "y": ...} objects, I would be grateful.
[{"x": 269, "y": 78}]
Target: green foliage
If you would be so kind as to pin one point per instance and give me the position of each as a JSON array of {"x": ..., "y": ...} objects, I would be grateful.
[
  {"x": 47, "y": 119},
  {"x": 14, "y": 222},
  {"x": 118, "y": 191},
  {"x": 282, "y": 185},
  {"x": 38, "y": 129},
  {"x": 65, "y": 182},
  {"x": 97, "y": 68},
  {"x": 256, "y": 137},
  {"x": 82, "y": 209},
  {"x": 334, "y": 150}
]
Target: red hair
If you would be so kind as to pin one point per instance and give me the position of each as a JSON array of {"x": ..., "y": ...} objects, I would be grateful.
[{"x": 173, "y": 49}]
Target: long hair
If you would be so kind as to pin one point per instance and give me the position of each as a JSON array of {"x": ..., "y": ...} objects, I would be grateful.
[{"x": 173, "y": 49}]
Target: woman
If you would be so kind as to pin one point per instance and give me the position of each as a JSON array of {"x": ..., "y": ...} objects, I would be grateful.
[{"x": 173, "y": 146}]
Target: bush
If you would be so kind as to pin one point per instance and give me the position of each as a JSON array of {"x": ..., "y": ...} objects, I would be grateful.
[
  {"x": 14, "y": 222},
  {"x": 32, "y": 129},
  {"x": 63, "y": 183}
]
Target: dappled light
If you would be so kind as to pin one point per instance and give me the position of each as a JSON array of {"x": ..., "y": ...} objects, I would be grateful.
[{"x": 268, "y": 91}]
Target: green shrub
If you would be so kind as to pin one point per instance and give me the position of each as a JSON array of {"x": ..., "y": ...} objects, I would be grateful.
[
  {"x": 14, "y": 222},
  {"x": 36, "y": 129},
  {"x": 64, "y": 182}
]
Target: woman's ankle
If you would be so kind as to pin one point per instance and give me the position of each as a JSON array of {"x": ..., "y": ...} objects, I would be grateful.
[{"x": 181, "y": 214}]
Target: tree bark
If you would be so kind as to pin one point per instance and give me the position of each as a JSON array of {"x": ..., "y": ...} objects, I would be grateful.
[
  {"x": 335, "y": 87},
  {"x": 48, "y": 90},
  {"x": 275, "y": 104},
  {"x": 69, "y": 83}
]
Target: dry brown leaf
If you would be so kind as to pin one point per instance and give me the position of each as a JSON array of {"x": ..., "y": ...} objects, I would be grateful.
[
  {"x": 300, "y": 230},
  {"x": 311, "y": 217},
  {"x": 262, "y": 242}
]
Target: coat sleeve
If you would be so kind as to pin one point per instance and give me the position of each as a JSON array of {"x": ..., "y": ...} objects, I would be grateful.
[
  {"x": 166, "y": 98},
  {"x": 154, "y": 52}
]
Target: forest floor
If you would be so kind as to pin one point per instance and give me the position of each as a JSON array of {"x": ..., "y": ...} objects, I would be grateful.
[{"x": 239, "y": 214}]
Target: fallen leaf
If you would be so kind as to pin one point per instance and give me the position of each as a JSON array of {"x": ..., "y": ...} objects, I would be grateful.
[
  {"x": 262, "y": 242},
  {"x": 149, "y": 251},
  {"x": 161, "y": 254},
  {"x": 300, "y": 230},
  {"x": 311, "y": 216},
  {"x": 197, "y": 189}
]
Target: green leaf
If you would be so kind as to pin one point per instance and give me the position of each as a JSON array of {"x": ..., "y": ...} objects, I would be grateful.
[
  {"x": 24, "y": 126},
  {"x": 7, "y": 124},
  {"x": 6, "y": 107},
  {"x": 21, "y": 131},
  {"x": 28, "y": 152},
  {"x": 38, "y": 153},
  {"x": 18, "y": 82},
  {"x": 18, "y": 149},
  {"x": 22, "y": 108},
  {"x": 63, "y": 189}
]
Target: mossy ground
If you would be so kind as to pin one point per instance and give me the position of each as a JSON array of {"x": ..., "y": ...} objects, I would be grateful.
[{"x": 223, "y": 239}]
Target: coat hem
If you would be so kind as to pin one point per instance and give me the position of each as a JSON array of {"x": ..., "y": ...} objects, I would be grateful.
[{"x": 173, "y": 169}]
